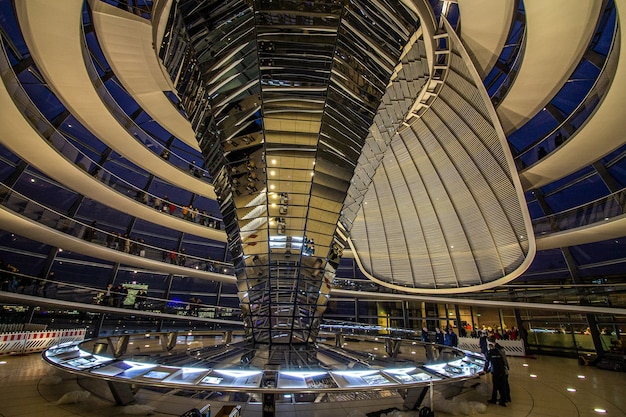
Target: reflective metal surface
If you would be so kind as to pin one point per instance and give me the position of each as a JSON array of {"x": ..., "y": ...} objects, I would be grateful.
[{"x": 291, "y": 89}]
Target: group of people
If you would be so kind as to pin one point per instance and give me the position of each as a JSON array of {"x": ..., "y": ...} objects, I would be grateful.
[
  {"x": 507, "y": 334},
  {"x": 175, "y": 258},
  {"x": 9, "y": 280},
  {"x": 116, "y": 297},
  {"x": 126, "y": 243},
  {"x": 12, "y": 281},
  {"x": 190, "y": 213},
  {"x": 193, "y": 169},
  {"x": 137, "y": 246},
  {"x": 441, "y": 338},
  {"x": 496, "y": 362},
  {"x": 194, "y": 306}
]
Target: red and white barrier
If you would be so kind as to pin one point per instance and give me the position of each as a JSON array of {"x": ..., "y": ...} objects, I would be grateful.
[
  {"x": 28, "y": 342},
  {"x": 511, "y": 347}
]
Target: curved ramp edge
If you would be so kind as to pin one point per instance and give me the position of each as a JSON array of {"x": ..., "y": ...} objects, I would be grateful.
[
  {"x": 485, "y": 25},
  {"x": 597, "y": 137},
  {"x": 126, "y": 41},
  {"x": 53, "y": 34},
  {"x": 557, "y": 35}
]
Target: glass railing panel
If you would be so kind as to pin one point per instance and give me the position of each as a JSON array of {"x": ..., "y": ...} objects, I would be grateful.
[
  {"x": 91, "y": 233},
  {"x": 128, "y": 294},
  {"x": 501, "y": 77},
  {"x": 82, "y": 138},
  {"x": 506, "y": 80},
  {"x": 600, "y": 210},
  {"x": 32, "y": 82}
]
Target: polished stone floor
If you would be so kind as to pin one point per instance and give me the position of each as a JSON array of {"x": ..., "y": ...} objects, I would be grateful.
[{"x": 541, "y": 387}]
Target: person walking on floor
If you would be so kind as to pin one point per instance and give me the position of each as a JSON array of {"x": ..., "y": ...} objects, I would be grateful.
[{"x": 496, "y": 365}]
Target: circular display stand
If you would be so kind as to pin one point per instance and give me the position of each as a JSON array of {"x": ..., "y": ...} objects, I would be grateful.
[{"x": 209, "y": 362}]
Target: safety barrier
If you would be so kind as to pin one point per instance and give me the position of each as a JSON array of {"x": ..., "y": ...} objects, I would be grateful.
[
  {"x": 21, "y": 327},
  {"x": 511, "y": 347},
  {"x": 29, "y": 342}
]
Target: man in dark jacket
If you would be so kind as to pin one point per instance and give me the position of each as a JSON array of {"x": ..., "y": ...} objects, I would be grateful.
[
  {"x": 482, "y": 342},
  {"x": 507, "y": 389},
  {"x": 428, "y": 347},
  {"x": 450, "y": 338},
  {"x": 496, "y": 364},
  {"x": 439, "y": 340}
]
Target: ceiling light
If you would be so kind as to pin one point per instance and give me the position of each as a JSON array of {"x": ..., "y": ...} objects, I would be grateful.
[
  {"x": 600, "y": 410},
  {"x": 571, "y": 389},
  {"x": 274, "y": 161}
]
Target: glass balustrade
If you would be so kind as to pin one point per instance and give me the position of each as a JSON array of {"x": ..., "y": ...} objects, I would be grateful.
[
  {"x": 115, "y": 241},
  {"x": 128, "y": 295},
  {"x": 601, "y": 210}
]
